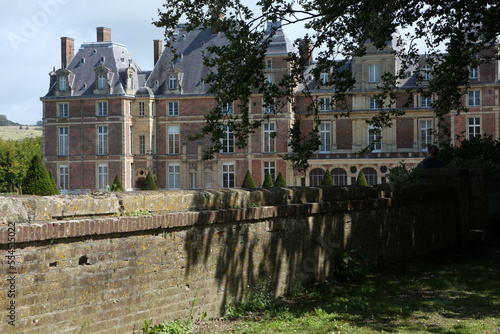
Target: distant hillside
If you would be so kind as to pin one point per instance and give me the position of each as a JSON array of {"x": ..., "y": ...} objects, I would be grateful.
[{"x": 5, "y": 122}]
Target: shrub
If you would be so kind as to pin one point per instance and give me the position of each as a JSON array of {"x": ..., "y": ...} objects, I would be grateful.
[
  {"x": 350, "y": 266},
  {"x": 403, "y": 174},
  {"x": 248, "y": 182},
  {"x": 117, "y": 184},
  {"x": 280, "y": 181},
  {"x": 268, "y": 181},
  {"x": 53, "y": 182},
  {"x": 149, "y": 184},
  {"x": 327, "y": 179},
  {"x": 37, "y": 180},
  {"x": 361, "y": 180}
]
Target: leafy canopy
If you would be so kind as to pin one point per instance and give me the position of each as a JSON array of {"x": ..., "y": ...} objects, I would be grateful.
[{"x": 453, "y": 32}]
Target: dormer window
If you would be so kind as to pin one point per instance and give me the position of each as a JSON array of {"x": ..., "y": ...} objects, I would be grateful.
[
  {"x": 172, "y": 81},
  {"x": 101, "y": 81},
  {"x": 323, "y": 77},
  {"x": 63, "y": 84},
  {"x": 269, "y": 64},
  {"x": 426, "y": 72},
  {"x": 101, "y": 84},
  {"x": 102, "y": 60},
  {"x": 82, "y": 61}
]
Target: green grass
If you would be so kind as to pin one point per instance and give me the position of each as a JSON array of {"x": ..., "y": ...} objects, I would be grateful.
[
  {"x": 15, "y": 133},
  {"x": 456, "y": 292}
]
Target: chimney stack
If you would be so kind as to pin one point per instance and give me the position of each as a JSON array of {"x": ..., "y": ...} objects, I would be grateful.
[
  {"x": 103, "y": 34},
  {"x": 157, "y": 49},
  {"x": 306, "y": 51},
  {"x": 67, "y": 51}
]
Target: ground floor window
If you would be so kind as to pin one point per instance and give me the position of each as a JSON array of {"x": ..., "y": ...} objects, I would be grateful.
[
  {"x": 102, "y": 177},
  {"x": 63, "y": 179},
  {"x": 316, "y": 176},
  {"x": 227, "y": 175},
  {"x": 174, "y": 176},
  {"x": 370, "y": 175},
  {"x": 339, "y": 177}
]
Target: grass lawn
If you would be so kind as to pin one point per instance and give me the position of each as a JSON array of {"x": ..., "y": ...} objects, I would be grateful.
[
  {"x": 453, "y": 292},
  {"x": 15, "y": 133}
]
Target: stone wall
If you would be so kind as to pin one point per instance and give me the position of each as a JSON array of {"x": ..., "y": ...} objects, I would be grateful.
[{"x": 99, "y": 259}]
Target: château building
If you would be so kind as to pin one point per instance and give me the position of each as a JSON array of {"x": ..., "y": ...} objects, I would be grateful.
[{"x": 103, "y": 116}]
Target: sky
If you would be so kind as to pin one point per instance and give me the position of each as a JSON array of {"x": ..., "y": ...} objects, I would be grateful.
[{"x": 30, "y": 43}]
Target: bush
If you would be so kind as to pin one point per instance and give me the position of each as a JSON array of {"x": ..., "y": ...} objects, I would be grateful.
[
  {"x": 327, "y": 179},
  {"x": 149, "y": 184},
  {"x": 117, "y": 184},
  {"x": 248, "y": 182},
  {"x": 361, "y": 180},
  {"x": 280, "y": 181},
  {"x": 37, "y": 180},
  {"x": 268, "y": 181},
  {"x": 53, "y": 182},
  {"x": 403, "y": 174}
]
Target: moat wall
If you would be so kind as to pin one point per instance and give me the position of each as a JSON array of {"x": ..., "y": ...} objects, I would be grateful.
[{"x": 94, "y": 258}]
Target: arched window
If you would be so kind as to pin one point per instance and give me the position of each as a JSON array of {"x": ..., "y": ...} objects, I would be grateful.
[
  {"x": 339, "y": 177},
  {"x": 63, "y": 83},
  {"x": 101, "y": 81},
  {"x": 370, "y": 175},
  {"x": 315, "y": 177}
]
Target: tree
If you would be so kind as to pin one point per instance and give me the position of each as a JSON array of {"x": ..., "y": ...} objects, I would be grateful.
[
  {"x": 149, "y": 183},
  {"x": 268, "y": 181},
  {"x": 117, "y": 184},
  {"x": 327, "y": 179},
  {"x": 55, "y": 189},
  {"x": 37, "y": 180},
  {"x": 248, "y": 182},
  {"x": 280, "y": 181},
  {"x": 454, "y": 33},
  {"x": 361, "y": 180}
]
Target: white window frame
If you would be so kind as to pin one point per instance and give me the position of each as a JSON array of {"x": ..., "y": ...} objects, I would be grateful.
[
  {"x": 323, "y": 77},
  {"x": 142, "y": 109},
  {"x": 192, "y": 180},
  {"x": 269, "y": 79},
  {"x": 426, "y": 72},
  {"x": 474, "y": 98},
  {"x": 425, "y": 134},
  {"x": 372, "y": 104},
  {"x": 173, "y": 108},
  {"x": 474, "y": 72},
  {"x": 173, "y": 138},
  {"x": 63, "y": 179},
  {"x": 228, "y": 175},
  {"x": 131, "y": 135},
  {"x": 63, "y": 83},
  {"x": 63, "y": 147},
  {"x": 63, "y": 110},
  {"x": 172, "y": 81},
  {"x": 142, "y": 144},
  {"x": 374, "y": 73},
  {"x": 102, "y": 140},
  {"x": 374, "y": 139},
  {"x": 102, "y": 177},
  {"x": 324, "y": 104},
  {"x": 102, "y": 108},
  {"x": 473, "y": 127},
  {"x": 101, "y": 81},
  {"x": 425, "y": 102},
  {"x": 174, "y": 176},
  {"x": 227, "y": 108},
  {"x": 269, "y": 167},
  {"x": 268, "y": 129},
  {"x": 325, "y": 137},
  {"x": 269, "y": 64},
  {"x": 227, "y": 139}
]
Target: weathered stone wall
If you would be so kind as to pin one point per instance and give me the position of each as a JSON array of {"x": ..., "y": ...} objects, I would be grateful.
[{"x": 86, "y": 259}]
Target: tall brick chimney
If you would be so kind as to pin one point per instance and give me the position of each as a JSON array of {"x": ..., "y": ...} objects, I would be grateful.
[
  {"x": 103, "y": 34},
  {"x": 67, "y": 51},
  {"x": 157, "y": 48},
  {"x": 306, "y": 51}
]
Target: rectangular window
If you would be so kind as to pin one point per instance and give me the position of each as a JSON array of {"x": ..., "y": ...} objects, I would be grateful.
[
  {"x": 425, "y": 102},
  {"x": 269, "y": 134},
  {"x": 227, "y": 140},
  {"x": 227, "y": 108},
  {"x": 324, "y": 104},
  {"x": 270, "y": 167},
  {"x": 373, "y": 103},
  {"x": 374, "y": 139},
  {"x": 173, "y": 140},
  {"x": 131, "y": 141},
  {"x": 426, "y": 72},
  {"x": 227, "y": 175},
  {"x": 323, "y": 78},
  {"x": 474, "y": 98},
  {"x": 102, "y": 177},
  {"x": 425, "y": 134},
  {"x": 269, "y": 79},
  {"x": 153, "y": 144},
  {"x": 63, "y": 110},
  {"x": 192, "y": 180},
  {"x": 268, "y": 108},
  {"x": 474, "y": 73},
  {"x": 172, "y": 81},
  {"x": 269, "y": 64},
  {"x": 374, "y": 73},
  {"x": 142, "y": 144},
  {"x": 141, "y": 109},
  {"x": 102, "y": 108},
  {"x": 64, "y": 179},
  {"x": 208, "y": 180},
  {"x": 174, "y": 176},
  {"x": 102, "y": 140},
  {"x": 474, "y": 127},
  {"x": 173, "y": 108},
  {"x": 324, "y": 135},
  {"x": 63, "y": 141},
  {"x": 130, "y": 108}
]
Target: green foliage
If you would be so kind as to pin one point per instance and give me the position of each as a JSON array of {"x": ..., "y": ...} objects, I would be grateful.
[
  {"x": 117, "y": 184},
  {"x": 268, "y": 181},
  {"x": 257, "y": 298},
  {"x": 53, "y": 182},
  {"x": 37, "y": 180},
  {"x": 403, "y": 174},
  {"x": 327, "y": 179},
  {"x": 339, "y": 30},
  {"x": 280, "y": 181},
  {"x": 149, "y": 183},
  {"x": 248, "y": 182},
  {"x": 478, "y": 152},
  {"x": 177, "y": 326},
  {"x": 361, "y": 180},
  {"x": 350, "y": 266},
  {"x": 5, "y": 122}
]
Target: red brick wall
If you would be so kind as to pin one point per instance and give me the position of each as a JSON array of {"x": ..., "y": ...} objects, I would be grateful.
[
  {"x": 344, "y": 134},
  {"x": 404, "y": 132}
]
